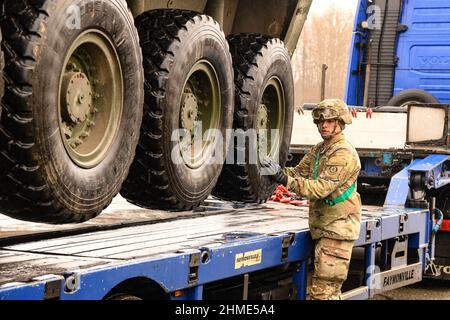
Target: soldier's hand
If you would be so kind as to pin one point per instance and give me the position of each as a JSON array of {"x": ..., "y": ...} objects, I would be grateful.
[{"x": 274, "y": 171}]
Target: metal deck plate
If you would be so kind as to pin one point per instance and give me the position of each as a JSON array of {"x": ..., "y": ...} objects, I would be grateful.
[{"x": 217, "y": 224}]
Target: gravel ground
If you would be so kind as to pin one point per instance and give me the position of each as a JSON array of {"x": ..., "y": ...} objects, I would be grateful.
[{"x": 426, "y": 290}]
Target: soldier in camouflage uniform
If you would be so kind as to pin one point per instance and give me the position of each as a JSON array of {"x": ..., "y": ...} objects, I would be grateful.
[{"x": 327, "y": 177}]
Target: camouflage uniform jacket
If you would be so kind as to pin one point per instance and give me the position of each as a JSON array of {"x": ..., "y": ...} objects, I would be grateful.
[{"x": 339, "y": 166}]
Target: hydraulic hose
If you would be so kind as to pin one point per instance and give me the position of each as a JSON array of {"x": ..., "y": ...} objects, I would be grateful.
[{"x": 440, "y": 218}]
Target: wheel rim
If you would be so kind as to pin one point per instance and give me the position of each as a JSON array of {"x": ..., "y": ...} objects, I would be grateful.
[
  {"x": 90, "y": 98},
  {"x": 199, "y": 113},
  {"x": 270, "y": 118}
]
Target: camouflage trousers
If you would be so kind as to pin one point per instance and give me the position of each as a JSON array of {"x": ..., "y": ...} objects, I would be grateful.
[{"x": 331, "y": 264}]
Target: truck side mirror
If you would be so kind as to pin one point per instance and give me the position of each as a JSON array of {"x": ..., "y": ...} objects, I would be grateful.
[{"x": 428, "y": 125}]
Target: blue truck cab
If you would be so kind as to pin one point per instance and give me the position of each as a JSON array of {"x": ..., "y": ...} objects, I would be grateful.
[{"x": 400, "y": 52}]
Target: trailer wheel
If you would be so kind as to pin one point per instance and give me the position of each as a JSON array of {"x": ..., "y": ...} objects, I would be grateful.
[
  {"x": 407, "y": 97},
  {"x": 124, "y": 297},
  {"x": 264, "y": 102},
  {"x": 72, "y": 107},
  {"x": 188, "y": 90}
]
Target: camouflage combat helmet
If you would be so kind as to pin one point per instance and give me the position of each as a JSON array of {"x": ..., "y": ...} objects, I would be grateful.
[{"x": 332, "y": 109}]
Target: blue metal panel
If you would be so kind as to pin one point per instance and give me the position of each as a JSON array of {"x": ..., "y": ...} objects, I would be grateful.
[
  {"x": 417, "y": 227},
  {"x": 24, "y": 292},
  {"x": 429, "y": 163},
  {"x": 370, "y": 267},
  {"x": 433, "y": 168},
  {"x": 416, "y": 222},
  {"x": 415, "y": 242},
  {"x": 355, "y": 82},
  {"x": 399, "y": 188},
  {"x": 417, "y": 219},
  {"x": 375, "y": 232},
  {"x": 222, "y": 263},
  {"x": 301, "y": 280},
  {"x": 170, "y": 273},
  {"x": 370, "y": 168},
  {"x": 424, "y": 49}
]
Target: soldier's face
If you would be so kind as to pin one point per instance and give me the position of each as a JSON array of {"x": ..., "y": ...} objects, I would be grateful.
[{"x": 329, "y": 128}]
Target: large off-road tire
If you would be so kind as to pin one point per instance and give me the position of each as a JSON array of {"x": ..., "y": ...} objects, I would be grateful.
[
  {"x": 189, "y": 76},
  {"x": 264, "y": 100},
  {"x": 409, "y": 96},
  {"x": 72, "y": 107}
]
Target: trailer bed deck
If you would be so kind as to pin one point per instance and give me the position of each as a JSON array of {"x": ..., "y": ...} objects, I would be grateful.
[{"x": 39, "y": 252}]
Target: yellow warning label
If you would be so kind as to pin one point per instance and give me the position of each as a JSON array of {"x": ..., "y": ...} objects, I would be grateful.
[{"x": 248, "y": 259}]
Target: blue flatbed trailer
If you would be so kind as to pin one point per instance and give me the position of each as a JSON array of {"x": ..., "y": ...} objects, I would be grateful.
[{"x": 225, "y": 251}]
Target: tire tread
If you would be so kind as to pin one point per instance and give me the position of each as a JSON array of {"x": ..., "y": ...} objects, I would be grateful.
[
  {"x": 148, "y": 184},
  {"x": 247, "y": 51},
  {"x": 23, "y": 192}
]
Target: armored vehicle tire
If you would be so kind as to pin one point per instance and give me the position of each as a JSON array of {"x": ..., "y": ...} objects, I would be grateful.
[
  {"x": 411, "y": 96},
  {"x": 189, "y": 81},
  {"x": 72, "y": 107},
  {"x": 264, "y": 100}
]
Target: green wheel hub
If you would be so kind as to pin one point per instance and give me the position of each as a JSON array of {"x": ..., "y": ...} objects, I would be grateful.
[
  {"x": 199, "y": 113},
  {"x": 189, "y": 112},
  {"x": 270, "y": 118},
  {"x": 77, "y": 91},
  {"x": 90, "y": 98}
]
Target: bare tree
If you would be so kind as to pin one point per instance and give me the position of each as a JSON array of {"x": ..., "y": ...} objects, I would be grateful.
[{"x": 325, "y": 40}]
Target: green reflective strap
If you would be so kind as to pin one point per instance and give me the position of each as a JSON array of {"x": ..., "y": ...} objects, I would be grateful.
[
  {"x": 316, "y": 168},
  {"x": 342, "y": 197}
]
